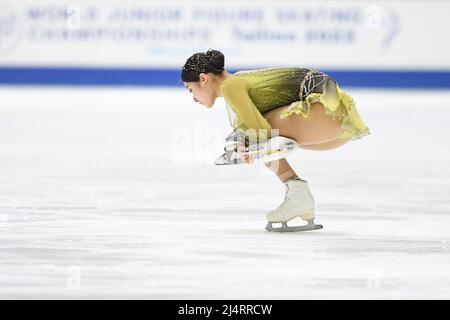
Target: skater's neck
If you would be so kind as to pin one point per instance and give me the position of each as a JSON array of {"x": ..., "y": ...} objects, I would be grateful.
[{"x": 224, "y": 76}]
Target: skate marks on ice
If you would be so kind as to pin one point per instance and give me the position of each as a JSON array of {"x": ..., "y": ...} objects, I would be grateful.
[
  {"x": 190, "y": 253},
  {"x": 89, "y": 210}
]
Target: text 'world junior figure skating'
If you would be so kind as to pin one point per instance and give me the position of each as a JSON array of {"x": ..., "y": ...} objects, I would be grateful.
[{"x": 273, "y": 112}]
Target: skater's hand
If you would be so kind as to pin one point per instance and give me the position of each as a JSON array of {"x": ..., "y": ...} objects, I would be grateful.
[{"x": 247, "y": 158}]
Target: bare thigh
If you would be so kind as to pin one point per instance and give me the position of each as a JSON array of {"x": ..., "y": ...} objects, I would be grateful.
[{"x": 317, "y": 128}]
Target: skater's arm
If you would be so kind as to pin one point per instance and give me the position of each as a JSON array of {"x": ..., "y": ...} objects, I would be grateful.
[{"x": 235, "y": 93}]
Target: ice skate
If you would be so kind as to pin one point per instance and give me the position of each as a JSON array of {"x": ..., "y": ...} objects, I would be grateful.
[
  {"x": 298, "y": 202},
  {"x": 273, "y": 149},
  {"x": 230, "y": 157},
  {"x": 265, "y": 151}
]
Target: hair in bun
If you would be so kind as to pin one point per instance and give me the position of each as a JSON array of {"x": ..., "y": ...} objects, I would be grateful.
[{"x": 203, "y": 62}]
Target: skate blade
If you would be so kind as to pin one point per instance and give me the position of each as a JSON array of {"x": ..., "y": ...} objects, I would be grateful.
[
  {"x": 285, "y": 228},
  {"x": 274, "y": 155},
  {"x": 276, "y": 149},
  {"x": 224, "y": 160}
]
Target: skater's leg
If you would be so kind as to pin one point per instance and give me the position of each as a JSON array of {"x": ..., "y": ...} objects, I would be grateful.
[
  {"x": 307, "y": 132},
  {"x": 326, "y": 145},
  {"x": 319, "y": 131},
  {"x": 317, "y": 128},
  {"x": 281, "y": 168}
]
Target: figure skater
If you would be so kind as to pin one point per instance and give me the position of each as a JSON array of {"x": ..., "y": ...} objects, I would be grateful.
[{"x": 302, "y": 104}]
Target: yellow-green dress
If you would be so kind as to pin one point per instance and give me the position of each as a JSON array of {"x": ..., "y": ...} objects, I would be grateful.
[{"x": 249, "y": 95}]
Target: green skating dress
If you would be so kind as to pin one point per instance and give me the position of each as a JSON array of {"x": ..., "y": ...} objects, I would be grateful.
[{"x": 248, "y": 95}]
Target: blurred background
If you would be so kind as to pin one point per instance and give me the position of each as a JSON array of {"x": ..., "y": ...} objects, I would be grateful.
[
  {"x": 107, "y": 182},
  {"x": 363, "y": 43}
]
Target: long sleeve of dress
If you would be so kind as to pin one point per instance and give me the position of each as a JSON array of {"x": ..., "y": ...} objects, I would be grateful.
[{"x": 246, "y": 115}]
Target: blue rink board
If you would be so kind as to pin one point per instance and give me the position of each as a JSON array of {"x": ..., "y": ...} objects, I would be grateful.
[{"x": 171, "y": 77}]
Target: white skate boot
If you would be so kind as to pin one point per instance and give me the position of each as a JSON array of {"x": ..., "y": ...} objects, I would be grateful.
[{"x": 298, "y": 202}]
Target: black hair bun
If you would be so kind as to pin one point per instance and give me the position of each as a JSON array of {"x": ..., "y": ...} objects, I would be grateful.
[
  {"x": 215, "y": 59},
  {"x": 210, "y": 61}
]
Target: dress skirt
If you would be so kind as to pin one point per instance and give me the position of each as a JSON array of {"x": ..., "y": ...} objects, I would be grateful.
[{"x": 319, "y": 87}]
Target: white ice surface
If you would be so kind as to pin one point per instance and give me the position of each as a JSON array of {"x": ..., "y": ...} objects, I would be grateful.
[{"x": 112, "y": 193}]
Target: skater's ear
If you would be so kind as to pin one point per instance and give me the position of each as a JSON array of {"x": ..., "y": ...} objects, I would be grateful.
[{"x": 203, "y": 78}]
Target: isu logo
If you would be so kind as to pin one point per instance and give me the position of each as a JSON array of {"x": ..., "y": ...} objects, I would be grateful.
[{"x": 9, "y": 28}]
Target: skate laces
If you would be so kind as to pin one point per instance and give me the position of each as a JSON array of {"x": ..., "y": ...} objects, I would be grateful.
[{"x": 284, "y": 204}]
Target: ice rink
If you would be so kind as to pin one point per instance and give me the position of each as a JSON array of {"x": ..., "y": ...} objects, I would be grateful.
[{"x": 111, "y": 193}]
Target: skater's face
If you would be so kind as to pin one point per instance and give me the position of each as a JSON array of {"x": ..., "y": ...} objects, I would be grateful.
[{"x": 203, "y": 90}]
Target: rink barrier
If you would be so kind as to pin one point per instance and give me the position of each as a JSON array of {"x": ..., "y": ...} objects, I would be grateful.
[{"x": 71, "y": 76}]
